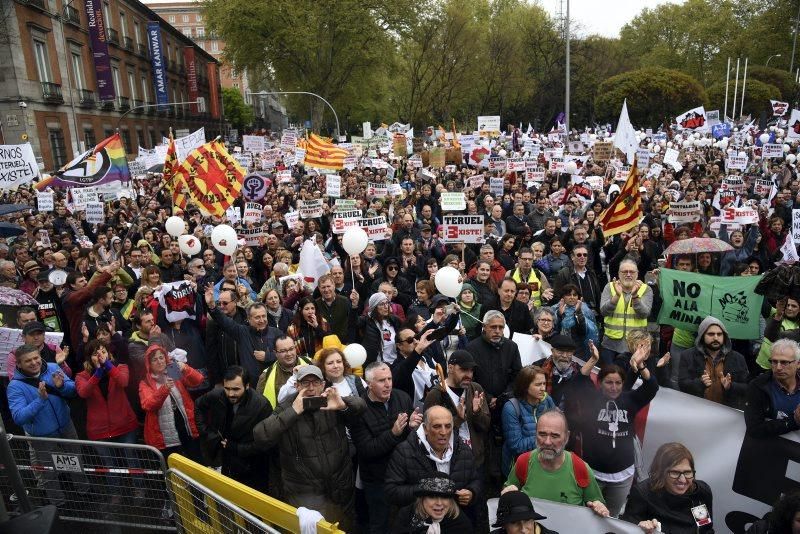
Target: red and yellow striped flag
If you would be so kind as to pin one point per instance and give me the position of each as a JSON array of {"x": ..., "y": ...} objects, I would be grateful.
[
  {"x": 625, "y": 211},
  {"x": 210, "y": 178},
  {"x": 456, "y": 142},
  {"x": 322, "y": 154},
  {"x": 171, "y": 165}
]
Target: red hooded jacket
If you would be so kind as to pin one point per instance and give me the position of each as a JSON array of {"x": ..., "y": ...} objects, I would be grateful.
[
  {"x": 152, "y": 396},
  {"x": 107, "y": 416}
]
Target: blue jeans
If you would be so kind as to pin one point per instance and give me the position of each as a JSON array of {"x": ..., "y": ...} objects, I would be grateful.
[{"x": 377, "y": 507}]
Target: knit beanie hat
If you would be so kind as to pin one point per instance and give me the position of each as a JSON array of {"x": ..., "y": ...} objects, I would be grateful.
[{"x": 375, "y": 300}]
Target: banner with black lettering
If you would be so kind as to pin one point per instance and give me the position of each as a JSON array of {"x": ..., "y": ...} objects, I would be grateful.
[
  {"x": 178, "y": 300},
  {"x": 462, "y": 229}
]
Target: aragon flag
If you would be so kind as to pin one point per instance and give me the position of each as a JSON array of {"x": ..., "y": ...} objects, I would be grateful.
[
  {"x": 171, "y": 165},
  {"x": 210, "y": 178},
  {"x": 322, "y": 154},
  {"x": 625, "y": 211}
]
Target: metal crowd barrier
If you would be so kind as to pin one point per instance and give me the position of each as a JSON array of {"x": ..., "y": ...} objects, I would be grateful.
[
  {"x": 272, "y": 511},
  {"x": 89, "y": 481},
  {"x": 198, "y": 510}
]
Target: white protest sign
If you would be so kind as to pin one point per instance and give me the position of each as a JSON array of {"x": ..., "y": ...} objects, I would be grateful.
[
  {"x": 556, "y": 165},
  {"x": 299, "y": 156},
  {"x": 736, "y": 162},
  {"x": 744, "y": 215},
  {"x": 285, "y": 177},
  {"x": 288, "y": 140},
  {"x": 461, "y": 228},
  {"x": 375, "y": 227},
  {"x": 82, "y": 195},
  {"x": 515, "y": 164},
  {"x": 496, "y": 163},
  {"x": 796, "y": 225},
  {"x": 489, "y": 125},
  {"x": 671, "y": 156},
  {"x": 333, "y": 185},
  {"x": 311, "y": 209},
  {"x": 94, "y": 213},
  {"x": 252, "y": 212},
  {"x": 536, "y": 175},
  {"x": 551, "y": 153},
  {"x": 715, "y": 222},
  {"x": 496, "y": 186},
  {"x": 254, "y": 143},
  {"x": 763, "y": 187},
  {"x": 252, "y": 236},
  {"x": 772, "y": 150},
  {"x": 17, "y": 165},
  {"x": 394, "y": 190},
  {"x": 344, "y": 220},
  {"x": 350, "y": 162},
  {"x": 594, "y": 182},
  {"x": 642, "y": 158},
  {"x": 185, "y": 145},
  {"x": 377, "y": 190},
  {"x": 733, "y": 183},
  {"x": 44, "y": 201},
  {"x": 291, "y": 218},
  {"x": 655, "y": 170},
  {"x": 453, "y": 201},
  {"x": 476, "y": 181},
  {"x": 233, "y": 214},
  {"x": 683, "y": 212}
]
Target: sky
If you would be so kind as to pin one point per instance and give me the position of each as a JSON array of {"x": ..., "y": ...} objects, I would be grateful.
[{"x": 603, "y": 17}]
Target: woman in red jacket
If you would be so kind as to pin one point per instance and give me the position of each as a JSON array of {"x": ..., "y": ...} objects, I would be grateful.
[{"x": 169, "y": 410}]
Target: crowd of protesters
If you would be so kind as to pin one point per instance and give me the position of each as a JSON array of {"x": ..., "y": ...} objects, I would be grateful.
[{"x": 443, "y": 415}]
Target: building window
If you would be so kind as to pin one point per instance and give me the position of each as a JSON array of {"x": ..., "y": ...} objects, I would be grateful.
[
  {"x": 187, "y": 31},
  {"x": 136, "y": 32},
  {"x": 77, "y": 70},
  {"x": 171, "y": 19},
  {"x": 58, "y": 147},
  {"x": 140, "y": 137},
  {"x": 123, "y": 27},
  {"x": 42, "y": 61},
  {"x": 200, "y": 31},
  {"x": 199, "y": 18},
  {"x": 214, "y": 46},
  {"x": 153, "y": 139},
  {"x": 107, "y": 15},
  {"x": 185, "y": 18},
  {"x": 89, "y": 138},
  {"x": 145, "y": 89},
  {"x": 116, "y": 80},
  {"x": 132, "y": 85},
  {"x": 126, "y": 140}
]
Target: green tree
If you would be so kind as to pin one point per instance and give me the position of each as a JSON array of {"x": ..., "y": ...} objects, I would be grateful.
[
  {"x": 239, "y": 114},
  {"x": 653, "y": 93},
  {"x": 778, "y": 78},
  {"x": 756, "y": 97}
]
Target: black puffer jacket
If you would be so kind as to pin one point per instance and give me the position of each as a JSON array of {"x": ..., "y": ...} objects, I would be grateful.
[
  {"x": 410, "y": 464},
  {"x": 315, "y": 454},
  {"x": 497, "y": 367},
  {"x": 372, "y": 337},
  {"x": 372, "y": 434},
  {"x": 674, "y": 512}
]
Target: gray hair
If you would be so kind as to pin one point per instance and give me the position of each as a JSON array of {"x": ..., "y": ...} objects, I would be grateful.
[
  {"x": 630, "y": 260},
  {"x": 280, "y": 267},
  {"x": 369, "y": 371},
  {"x": 6, "y": 263},
  {"x": 494, "y": 314},
  {"x": 786, "y": 343},
  {"x": 543, "y": 311},
  {"x": 556, "y": 412}
]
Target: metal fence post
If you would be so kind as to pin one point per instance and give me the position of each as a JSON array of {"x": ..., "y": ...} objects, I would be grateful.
[{"x": 10, "y": 467}]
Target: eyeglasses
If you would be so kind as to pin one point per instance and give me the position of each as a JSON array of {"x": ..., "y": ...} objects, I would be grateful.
[
  {"x": 391, "y": 268},
  {"x": 782, "y": 363},
  {"x": 527, "y": 258},
  {"x": 544, "y": 320},
  {"x": 580, "y": 254},
  {"x": 407, "y": 340},
  {"x": 309, "y": 383},
  {"x": 675, "y": 475}
]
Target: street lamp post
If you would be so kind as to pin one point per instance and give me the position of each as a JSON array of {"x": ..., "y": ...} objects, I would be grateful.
[
  {"x": 566, "y": 92},
  {"x": 335, "y": 116},
  {"x": 119, "y": 121},
  {"x": 770, "y": 57}
]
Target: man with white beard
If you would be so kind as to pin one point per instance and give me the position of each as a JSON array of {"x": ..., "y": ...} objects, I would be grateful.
[{"x": 551, "y": 473}]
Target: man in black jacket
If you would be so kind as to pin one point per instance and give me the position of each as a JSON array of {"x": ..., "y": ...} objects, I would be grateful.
[
  {"x": 170, "y": 271},
  {"x": 431, "y": 449},
  {"x": 580, "y": 275},
  {"x": 225, "y": 418},
  {"x": 221, "y": 347},
  {"x": 497, "y": 358},
  {"x": 517, "y": 315},
  {"x": 383, "y": 426},
  {"x": 773, "y": 398}
]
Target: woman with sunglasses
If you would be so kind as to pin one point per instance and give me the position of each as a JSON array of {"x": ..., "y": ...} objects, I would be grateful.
[{"x": 671, "y": 500}]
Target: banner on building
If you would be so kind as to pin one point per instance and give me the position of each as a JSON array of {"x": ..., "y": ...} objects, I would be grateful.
[
  {"x": 100, "y": 57},
  {"x": 157, "y": 61},
  {"x": 213, "y": 88},
  {"x": 191, "y": 77},
  {"x": 688, "y": 298}
]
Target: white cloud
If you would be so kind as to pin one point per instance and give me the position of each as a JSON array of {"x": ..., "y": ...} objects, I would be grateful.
[{"x": 602, "y": 17}]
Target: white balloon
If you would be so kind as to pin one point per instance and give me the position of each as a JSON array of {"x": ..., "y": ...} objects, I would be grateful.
[
  {"x": 669, "y": 145},
  {"x": 175, "y": 226},
  {"x": 570, "y": 167},
  {"x": 223, "y": 237},
  {"x": 786, "y": 148},
  {"x": 791, "y": 158},
  {"x": 355, "y": 241},
  {"x": 448, "y": 281},
  {"x": 189, "y": 244},
  {"x": 662, "y": 143},
  {"x": 689, "y": 142},
  {"x": 764, "y": 138},
  {"x": 355, "y": 354},
  {"x": 656, "y": 149},
  {"x": 502, "y": 153}
]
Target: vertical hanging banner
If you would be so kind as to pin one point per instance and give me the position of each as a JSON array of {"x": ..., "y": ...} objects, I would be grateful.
[
  {"x": 102, "y": 61},
  {"x": 191, "y": 76},
  {"x": 213, "y": 89},
  {"x": 157, "y": 60}
]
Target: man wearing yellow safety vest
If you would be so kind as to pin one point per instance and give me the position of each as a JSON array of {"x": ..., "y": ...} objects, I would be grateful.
[
  {"x": 525, "y": 273},
  {"x": 278, "y": 373},
  {"x": 625, "y": 305}
]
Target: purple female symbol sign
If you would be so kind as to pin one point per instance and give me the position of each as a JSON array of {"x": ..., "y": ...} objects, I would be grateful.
[{"x": 255, "y": 186}]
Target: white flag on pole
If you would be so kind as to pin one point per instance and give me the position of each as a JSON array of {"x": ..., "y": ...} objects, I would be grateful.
[
  {"x": 312, "y": 263},
  {"x": 625, "y": 136}
]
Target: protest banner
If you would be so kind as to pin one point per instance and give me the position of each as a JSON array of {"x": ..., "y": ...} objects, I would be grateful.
[
  {"x": 333, "y": 185},
  {"x": 796, "y": 225},
  {"x": 453, "y": 201},
  {"x": 44, "y": 201},
  {"x": 245, "y": 160},
  {"x": 375, "y": 227},
  {"x": 255, "y": 186},
  {"x": 693, "y": 119},
  {"x": 489, "y": 125},
  {"x": 344, "y": 220},
  {"x": 560, "y": 517},
  {"x": 17, "y": 165},
  {"x": 683, "y": 212},
  {"x": 288, "y": 140},
  {"x": 497, "y": 163},
  {"x": 254, "y": 143},
  {"x": 285, "y": 177},
  {"x": 551, "y": 153},
  {"x": 793, "y": 131},
  {"x": 467, "y": 142},
  {"x": 654, "y": 170},
  {"x": 82, "y": 195},
  {"x": 496, "y": 186},
  {"x": 311, "y": 209},
  {"x": 556, "y": 165},
  {"x": 462, "y": 229},
  {"x": 602, "y": 150},
  {"x": 671, "y": 156},
  {"x": 515, "y": 164},
  {"x": 743, "y": 215},
  {"x": 299, "y": 156},
  {"x": 184, "y": 145},
  {"x": 476, "y": 181},
  {"x": 536, "y": 175},
  {"x": 376, "y": 190},
  {"x": 252, "y": 236},
  {"x": 291, "y": 218},
  {"x": 344, "y": 204},
  {"x": 399, "y": 145},
  {"x": 137, "y": 168},
  {"x": 688, "y": 298},
  {"x": 642, "y": 158},
  {"x": 233, "y": 215},
  {"x": 394, "y": 190},
  {"x": 772, "y": 150},
  {"x": 733, "y": 183},
  {"x": 94, "y": 213},
  {"x": 737, "y": 163},
  {"x": 350, "y": 162},
  {"x": 715, "y": 222},
  {"x": 763, "y": 187},
  {"x": 252, "y": 212}
]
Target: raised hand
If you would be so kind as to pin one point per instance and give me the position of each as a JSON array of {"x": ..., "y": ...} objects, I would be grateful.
[
  {"x": 400, "y": 423},
  {"x": 58, "y": 379},
  {"x": 42, "y": 391}
]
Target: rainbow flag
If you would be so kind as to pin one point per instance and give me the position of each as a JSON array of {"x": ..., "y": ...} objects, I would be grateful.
[{"x": 102, "y": 164}]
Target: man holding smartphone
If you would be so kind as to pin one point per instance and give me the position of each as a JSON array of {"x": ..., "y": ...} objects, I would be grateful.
[{"x": 309, "y": 428}]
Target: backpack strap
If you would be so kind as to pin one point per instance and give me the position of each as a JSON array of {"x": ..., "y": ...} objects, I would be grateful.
[
  {"x": 517, "y": 408},
  {"x": 521, "y": 467},
  {"x": 580, "y": 470}
]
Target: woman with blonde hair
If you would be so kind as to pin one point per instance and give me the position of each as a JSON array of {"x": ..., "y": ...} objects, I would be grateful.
[{"x": 435, "y": 510}]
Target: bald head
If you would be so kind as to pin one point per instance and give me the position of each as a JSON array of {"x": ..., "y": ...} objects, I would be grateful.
[{"x": 437, "y": 423}]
